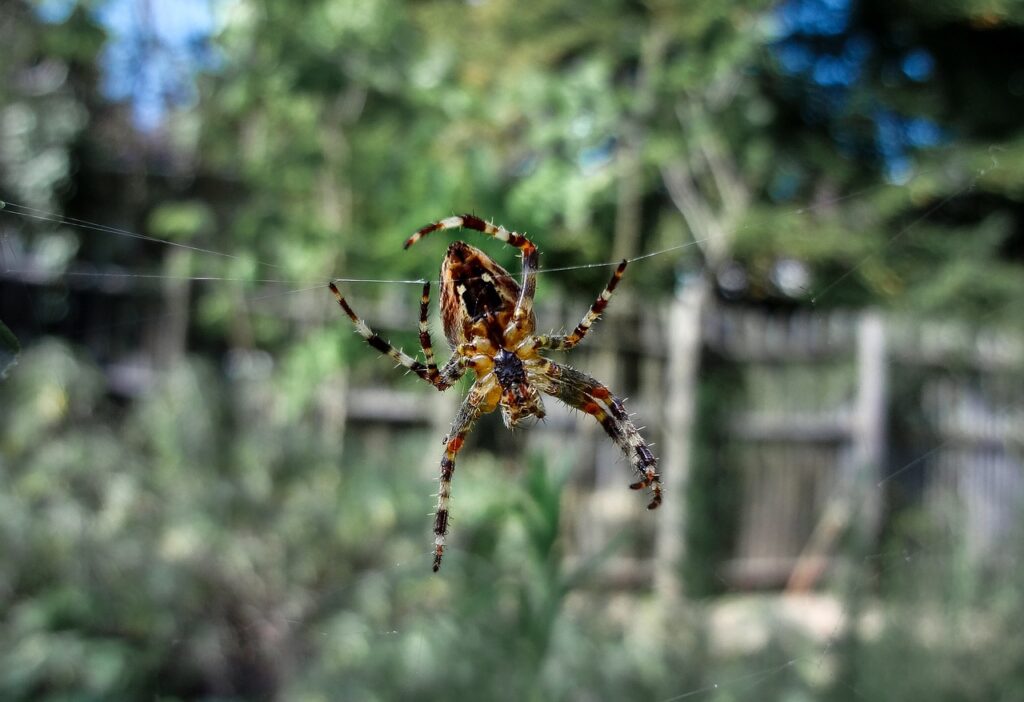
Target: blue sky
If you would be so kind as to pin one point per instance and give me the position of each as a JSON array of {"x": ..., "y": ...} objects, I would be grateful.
[{"x": 154, "y": 52}]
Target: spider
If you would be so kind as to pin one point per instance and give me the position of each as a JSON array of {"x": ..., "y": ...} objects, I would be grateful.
[{"x": 489, "y": 322}]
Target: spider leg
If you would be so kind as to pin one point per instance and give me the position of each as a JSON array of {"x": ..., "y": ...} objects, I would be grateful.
[
  {"x": 586, "y": 394},
  {"x": 530, "y": 256},
  {"x": 468, "y": 413},
  {"x": 379, "y": 343},
  {"x": 473, "y": 222},
  {"x": 455, "y": 368},
  {"x": 424, "y": 328},
  {"x": 564, "y": 343},
  {"x": 442, "y": 379}
]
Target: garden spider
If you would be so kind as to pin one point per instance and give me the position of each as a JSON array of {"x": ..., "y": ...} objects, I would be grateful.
[{"x": 489, "y": 322}]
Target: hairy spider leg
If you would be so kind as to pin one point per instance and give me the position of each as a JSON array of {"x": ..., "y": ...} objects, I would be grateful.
[
  {"x": 424, "y": 328},
  {"x": 468, "y": 413},
  {"x": 564, "y": 343},
  {"x": 530, "y": 257},
  {"x": 586, "y": 394},
  {"x": 441, "y": 379},
  {"x": 456, "y": 366}
]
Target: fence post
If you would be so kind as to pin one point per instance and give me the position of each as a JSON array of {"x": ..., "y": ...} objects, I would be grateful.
[
  {"x": 855, "y": 497},
  {"x": 870, "y": 423},
  {"x": 684, "y": 348}
]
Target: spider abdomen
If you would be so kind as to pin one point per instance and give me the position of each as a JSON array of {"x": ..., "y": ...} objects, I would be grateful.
[{"x": 478, "y": 296}]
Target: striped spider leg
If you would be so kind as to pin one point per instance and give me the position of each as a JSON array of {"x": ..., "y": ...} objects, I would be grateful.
[
  {"x": 441, "y": 379},
  {"x": 564, "y": 343},
  {"x": 472, "y": 407},
  {"x": 590, "y": 396}
]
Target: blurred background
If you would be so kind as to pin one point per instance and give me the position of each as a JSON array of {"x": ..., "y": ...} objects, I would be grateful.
[{"x": 212, "y": 489}]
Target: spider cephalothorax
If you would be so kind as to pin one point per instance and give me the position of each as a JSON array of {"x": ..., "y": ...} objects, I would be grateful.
[{"x": 489, "y": 323}]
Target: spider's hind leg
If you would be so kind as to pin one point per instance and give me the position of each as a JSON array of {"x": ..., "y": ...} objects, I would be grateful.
[
  {"x": 586, "y": 394},
  {"x": 468, "y": 413}
]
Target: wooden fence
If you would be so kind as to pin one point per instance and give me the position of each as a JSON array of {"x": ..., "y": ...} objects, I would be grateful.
[{"x": 825, "y": 422}]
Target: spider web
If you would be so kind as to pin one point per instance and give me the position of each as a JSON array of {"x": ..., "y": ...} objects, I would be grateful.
[{"x": 769, "y": 671}]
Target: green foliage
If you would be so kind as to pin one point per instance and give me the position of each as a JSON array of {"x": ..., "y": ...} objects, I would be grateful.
[
  {"x": 217, "y": 545},
  {"x": 180, "y": 221},
  {"x": 42, "y": 114}
]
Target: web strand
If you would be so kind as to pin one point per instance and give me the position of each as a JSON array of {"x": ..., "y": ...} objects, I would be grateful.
[
  {"x": 34, "y": 213},
  {"x": 42, "y": 215}
]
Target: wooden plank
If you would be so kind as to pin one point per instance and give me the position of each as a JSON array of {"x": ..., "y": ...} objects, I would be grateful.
[
  {"x": 685, "y": 325},
  {"x": 768, "y": 571}
]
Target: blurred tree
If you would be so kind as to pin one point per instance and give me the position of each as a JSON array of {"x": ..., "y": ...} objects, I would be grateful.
[
  {"x": 43, "y": 112},
  {"x": 41, "y": 116},
  {"x": 923, "y": 94},
  {"x": 323, "y": 118}
]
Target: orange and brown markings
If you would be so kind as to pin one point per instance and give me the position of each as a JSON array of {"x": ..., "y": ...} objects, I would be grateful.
[
  {"x": 455, "y": 444},
  {"x": 603, "y": 394},
  {"x": 588, "y": 395},
  {"x": 478, "y": 296},
  {"x": 611, "y": 426}
]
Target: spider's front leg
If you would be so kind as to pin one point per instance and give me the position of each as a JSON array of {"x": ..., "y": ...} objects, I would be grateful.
[
  {"x": 564, "y": 343},
  {"x": 441, "y": 379},
  {"x": 471, "y": 409},
  {"x": 586, "y": 394},
  {"x": 424, "y": 328},
  {"x": 456, "y": 366}
]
